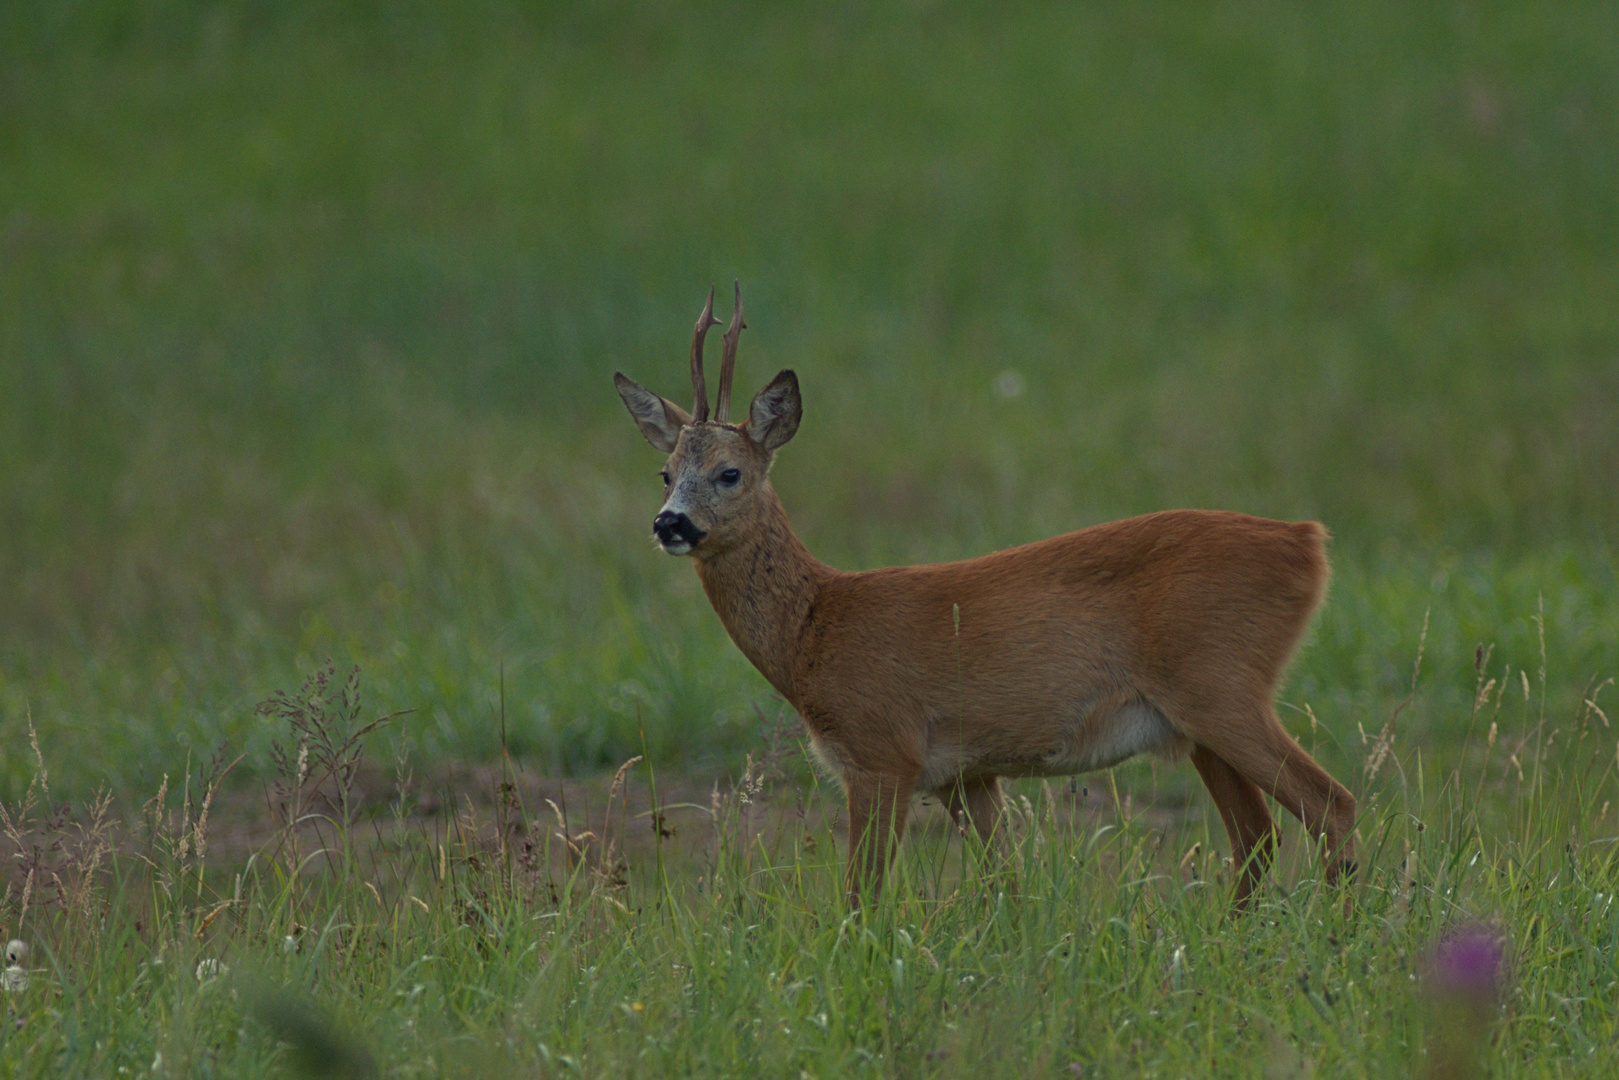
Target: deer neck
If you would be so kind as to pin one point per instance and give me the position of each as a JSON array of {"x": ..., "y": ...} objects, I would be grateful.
[{"x": 763, "y": 589}]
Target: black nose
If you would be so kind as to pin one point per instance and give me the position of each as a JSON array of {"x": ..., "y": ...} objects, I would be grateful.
[{"x": 670, "y": 527}]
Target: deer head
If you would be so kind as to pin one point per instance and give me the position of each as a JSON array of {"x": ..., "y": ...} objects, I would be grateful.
[{"x": 716, "y": 481}]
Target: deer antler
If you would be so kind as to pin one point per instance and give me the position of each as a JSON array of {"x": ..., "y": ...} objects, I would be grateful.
[
  {"x": 728, "y": 358},
  {"x": 699, "y": 410}
]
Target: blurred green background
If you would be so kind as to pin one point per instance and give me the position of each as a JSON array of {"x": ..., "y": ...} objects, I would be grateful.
[{"x": 308, "y": 313}]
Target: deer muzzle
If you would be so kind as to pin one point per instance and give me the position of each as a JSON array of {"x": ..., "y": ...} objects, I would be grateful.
[{"x": 675, "y": 532}]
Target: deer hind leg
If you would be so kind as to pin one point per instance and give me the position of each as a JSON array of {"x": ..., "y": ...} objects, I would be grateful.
[
  {"x": 878, "y": 805},
  {"x": 1247, "y": 820},
  {"x": 1255, "y": 744}
]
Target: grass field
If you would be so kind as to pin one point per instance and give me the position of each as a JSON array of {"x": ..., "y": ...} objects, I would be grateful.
[{"x": 307, "y": 318}]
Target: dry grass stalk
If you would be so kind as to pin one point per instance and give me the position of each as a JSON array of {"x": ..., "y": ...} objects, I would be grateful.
[{"x": 1384, "y": 744}]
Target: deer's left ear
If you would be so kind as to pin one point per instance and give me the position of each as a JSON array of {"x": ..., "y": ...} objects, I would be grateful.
[
  {"x": 774, "y": 415},
  {"x": 659, "y": 419}
]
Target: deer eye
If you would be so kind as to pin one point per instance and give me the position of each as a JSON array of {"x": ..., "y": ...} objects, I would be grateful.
[
  {"x": 664, "y": 476},
  {"x": 730, "y": 476}
]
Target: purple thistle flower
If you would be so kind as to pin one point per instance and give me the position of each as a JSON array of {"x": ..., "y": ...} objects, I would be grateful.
[
  {"x": 1463, "y": 990},
  {"x": 1467, "y": 964}
]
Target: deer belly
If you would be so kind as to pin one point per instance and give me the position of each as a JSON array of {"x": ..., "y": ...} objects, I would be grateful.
[
  {"x": 1093, "y": 740},
  {"x": 1101, "y": 742}
]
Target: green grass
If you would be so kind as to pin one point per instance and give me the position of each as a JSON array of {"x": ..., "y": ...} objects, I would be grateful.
[
  {"x": 1104, "y": 948},
  {"x": 307, "y": 314},
  {"x": 307, "y": 318}
]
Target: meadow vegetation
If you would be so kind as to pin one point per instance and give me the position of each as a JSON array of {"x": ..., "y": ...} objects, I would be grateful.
[{"x": 307, "y": 321}]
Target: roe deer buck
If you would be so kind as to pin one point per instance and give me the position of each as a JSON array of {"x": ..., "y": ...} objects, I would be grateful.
[{"x": 1164, "y": 633}]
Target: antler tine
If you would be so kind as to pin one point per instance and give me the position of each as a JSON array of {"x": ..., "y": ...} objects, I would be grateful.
[
  {"x": 699, "y": 410},
  {"x": 728, "y": 358}
]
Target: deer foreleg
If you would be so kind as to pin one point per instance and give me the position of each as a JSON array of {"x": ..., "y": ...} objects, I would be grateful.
[
  {"x": 878, "y": 805},
  {"x": 977, "y": 802}
]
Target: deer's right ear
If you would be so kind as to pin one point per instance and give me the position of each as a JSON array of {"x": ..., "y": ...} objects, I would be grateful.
[{"x": 660, "y": 420}]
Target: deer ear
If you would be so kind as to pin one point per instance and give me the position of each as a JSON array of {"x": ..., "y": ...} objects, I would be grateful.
[
  {"x": 660, "y": 420},
  {"x": 774, "y": 415}
]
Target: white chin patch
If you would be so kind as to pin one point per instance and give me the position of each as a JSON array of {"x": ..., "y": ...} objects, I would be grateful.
[{"x": 678, "y": 547}]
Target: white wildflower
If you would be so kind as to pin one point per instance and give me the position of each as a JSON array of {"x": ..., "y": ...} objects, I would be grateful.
[
  {"x": 14, "y": 980},
  {"x": 209, "y": 968},
  {"x": 1009, "y": 385}
]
